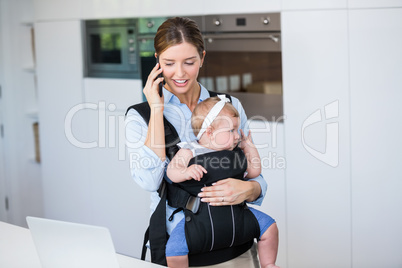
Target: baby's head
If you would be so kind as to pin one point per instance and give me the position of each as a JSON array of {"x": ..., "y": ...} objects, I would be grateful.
[{"x": 219, "y": 120}]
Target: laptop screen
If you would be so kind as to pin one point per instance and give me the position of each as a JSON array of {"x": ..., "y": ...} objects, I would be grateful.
[{"x": 62, "y": 244}]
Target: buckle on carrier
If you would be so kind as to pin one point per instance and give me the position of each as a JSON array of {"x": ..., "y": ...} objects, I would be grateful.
[{"x": 193, "y": 203}]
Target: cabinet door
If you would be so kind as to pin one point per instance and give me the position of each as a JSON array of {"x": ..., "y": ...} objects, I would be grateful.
[
  {"x": 316, "y": 106},
  {"x": 66, "y": 189},
  {"x": 313, "y": 4},
  {"x": 239, "y": 6},
  {"x": 376, "y": 82},
  {"x": 118, "y": 202},
  {"x": 374, "y": 4}
]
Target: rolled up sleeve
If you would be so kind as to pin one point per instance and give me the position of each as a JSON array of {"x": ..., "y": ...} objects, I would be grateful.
[{"x": 263, "y": 184}]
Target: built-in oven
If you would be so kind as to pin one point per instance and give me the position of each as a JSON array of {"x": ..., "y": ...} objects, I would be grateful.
[
  {"x": 244, "y": 59},
  {"x": 112, "y": 49}
]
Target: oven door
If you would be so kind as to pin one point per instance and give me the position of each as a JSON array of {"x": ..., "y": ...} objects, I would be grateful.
[
  {"x": 249, "y": 67},
  {"x": 112, "y": 52}
]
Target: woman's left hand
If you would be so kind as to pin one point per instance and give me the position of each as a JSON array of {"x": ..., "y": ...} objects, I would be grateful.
[{"x": 230, "y": 192}]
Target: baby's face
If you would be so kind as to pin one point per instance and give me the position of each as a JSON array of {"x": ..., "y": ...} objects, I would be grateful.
[{"x": 225, "y": 135}]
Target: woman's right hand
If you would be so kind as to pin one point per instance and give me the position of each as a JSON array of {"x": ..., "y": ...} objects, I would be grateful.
[
  {"x": 155, "y": 139},
  {"x": 151, "y": 89}
]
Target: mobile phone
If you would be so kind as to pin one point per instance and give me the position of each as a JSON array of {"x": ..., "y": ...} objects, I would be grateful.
[{"x": 161, "y": 83}]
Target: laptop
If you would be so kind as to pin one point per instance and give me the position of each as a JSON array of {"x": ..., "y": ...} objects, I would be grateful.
[{"x": 62, "y": 244}]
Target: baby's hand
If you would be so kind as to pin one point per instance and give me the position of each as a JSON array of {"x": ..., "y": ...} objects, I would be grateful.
[
  {"x": 246, "y": 140},
  {"x": 195, "y": 172}
]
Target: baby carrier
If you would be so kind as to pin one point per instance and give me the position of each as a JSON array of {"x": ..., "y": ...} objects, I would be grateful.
[{"x": 213, "y": 234}]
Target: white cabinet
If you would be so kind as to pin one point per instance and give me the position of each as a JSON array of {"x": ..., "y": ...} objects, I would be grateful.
[
  {"x": 170, "y": 8},
  {"x": 313, "y": 4},
  {"x": 117, "y": 201},
  {"x": 57, "y": 9},
  {"x": 240, "y": 6},
  {"x": 317, "y": 148},
  {"x": 376, "y": 82},
  {"x": 60, "y": 73},
  {"x": 110, "y": 9},
  {"x": 374, "y": 4},
  {"x": 20, "y": 177},
  {"x": 88, "y": 9}
]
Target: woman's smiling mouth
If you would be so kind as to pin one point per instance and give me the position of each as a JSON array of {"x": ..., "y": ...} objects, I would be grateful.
[{"x": 180, "y": 83}]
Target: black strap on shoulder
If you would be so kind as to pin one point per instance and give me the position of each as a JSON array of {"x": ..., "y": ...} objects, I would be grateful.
[
  {"x": 171, "y": 136},
  {"x": 213, "y": 94},
  {"x": 156, "y": 233}
]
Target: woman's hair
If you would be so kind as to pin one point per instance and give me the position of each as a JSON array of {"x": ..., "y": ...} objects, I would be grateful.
[
  {"x": 177, "y": 30},
  {"x": 202, "y": 109}
]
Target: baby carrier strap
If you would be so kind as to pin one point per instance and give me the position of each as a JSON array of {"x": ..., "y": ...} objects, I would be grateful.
[
  {"x": 171, "y": 136},
  {"x": 156, "y": 233}
]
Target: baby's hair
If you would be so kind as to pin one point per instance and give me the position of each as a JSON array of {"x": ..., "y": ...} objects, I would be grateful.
[{"x": 202, "y": 109}]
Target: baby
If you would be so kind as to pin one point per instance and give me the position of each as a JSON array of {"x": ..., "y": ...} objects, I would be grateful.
[{"x": 215, "y": 122}]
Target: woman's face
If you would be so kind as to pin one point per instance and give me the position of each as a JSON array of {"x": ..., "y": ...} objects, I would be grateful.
[{"x": 181, "y": 64}]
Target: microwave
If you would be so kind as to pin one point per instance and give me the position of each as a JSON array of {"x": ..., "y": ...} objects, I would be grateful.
[{"x": 112, "y": 49}]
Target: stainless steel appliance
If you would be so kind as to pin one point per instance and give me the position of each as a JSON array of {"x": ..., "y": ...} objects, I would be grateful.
[
  {"x": 111, "y": 48},
  {"x": 244, "y": 59}
]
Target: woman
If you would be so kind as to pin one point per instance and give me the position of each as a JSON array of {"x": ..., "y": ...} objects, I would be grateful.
[{"x": 180, "y": 49}]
